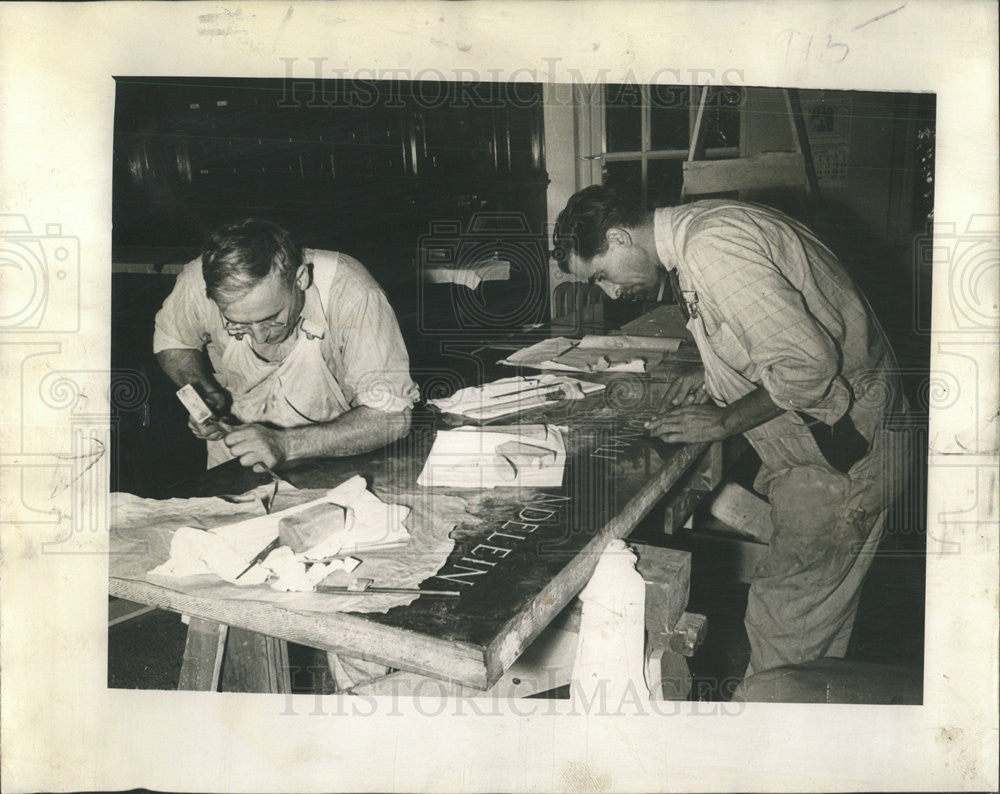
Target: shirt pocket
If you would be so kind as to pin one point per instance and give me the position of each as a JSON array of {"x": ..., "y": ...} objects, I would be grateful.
[{"x": 727, "y": 346}]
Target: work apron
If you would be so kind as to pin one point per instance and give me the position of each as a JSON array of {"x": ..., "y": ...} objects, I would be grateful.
[
  {"x": 298, "y": 390},
  {"x": 827, "y": 525}
]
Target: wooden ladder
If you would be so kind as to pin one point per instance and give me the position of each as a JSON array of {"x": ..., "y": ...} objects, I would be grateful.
[{"x": 765, "y": 171}]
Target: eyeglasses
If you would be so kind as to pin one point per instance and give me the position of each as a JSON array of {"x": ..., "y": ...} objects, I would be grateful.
[{"x": 268, "y": 327}]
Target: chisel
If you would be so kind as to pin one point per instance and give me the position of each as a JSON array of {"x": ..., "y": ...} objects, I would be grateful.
[{"x": 335, "y": 590}]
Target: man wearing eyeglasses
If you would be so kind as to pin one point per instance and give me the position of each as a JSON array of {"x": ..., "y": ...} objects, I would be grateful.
[{"x": 297, "y": 350}]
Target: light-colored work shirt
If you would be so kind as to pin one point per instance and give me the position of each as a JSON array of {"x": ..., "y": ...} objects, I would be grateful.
[
  {"x": 778, "y": 307},
  {"x": 362, "y": 345}
]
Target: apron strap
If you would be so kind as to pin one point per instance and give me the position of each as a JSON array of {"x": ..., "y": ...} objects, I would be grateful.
[
  {"x": 675, "y": 287},
  {"x": 324, "y": 274}
]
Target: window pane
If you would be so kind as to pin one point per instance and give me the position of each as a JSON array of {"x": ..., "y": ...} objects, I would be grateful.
[
  {"x": 669, "y": 116},
  {"x": 721, "y": 124},
  {"x": 664, "y": 178},
  {"x": 623, "y": 175},
  {"x": 623, "y": 117}
]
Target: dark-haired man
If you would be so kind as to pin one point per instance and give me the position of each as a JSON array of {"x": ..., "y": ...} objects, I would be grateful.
[
  {"x": 794, "y": 359},
  {"x": 299, "y": 347}
]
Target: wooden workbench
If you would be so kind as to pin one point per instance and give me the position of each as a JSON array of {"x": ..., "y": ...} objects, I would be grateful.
[{"x": 530, "y": 554}]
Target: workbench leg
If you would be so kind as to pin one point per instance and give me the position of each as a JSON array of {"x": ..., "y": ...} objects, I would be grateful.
[
  {"x": 203, "y": 651},
  {"x": 667, "y": 675},
  {"x": 667, "y": 672},
  {"x": 255, "y": 663}
]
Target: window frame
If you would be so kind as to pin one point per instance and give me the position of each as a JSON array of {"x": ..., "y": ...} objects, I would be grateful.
[{"x": 647, "y": 153}]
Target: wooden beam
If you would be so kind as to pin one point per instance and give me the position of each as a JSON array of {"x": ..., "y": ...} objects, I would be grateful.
[
  {"x": 693, "y": 489},
  {"x": 521, "y": 631},
  {"x": 203, "y": 651},
  {"x": 760, "y": 172},
  {"x": 546, "y": 665},
  {"x": 341, "y": 632},
  {"x": 667, "y": 574},
  {"x": 743, "y": 511},
  {"x": 801, "y": 137},
  {"x": 255, "y": 663},
  {"x": 120, "y": 610}
]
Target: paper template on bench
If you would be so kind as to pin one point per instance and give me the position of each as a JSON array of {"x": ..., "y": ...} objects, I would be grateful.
[{"x": 501, "y": 455}]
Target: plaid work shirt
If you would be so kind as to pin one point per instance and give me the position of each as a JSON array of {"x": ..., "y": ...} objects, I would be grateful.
[{"x": 778, "y": 307}]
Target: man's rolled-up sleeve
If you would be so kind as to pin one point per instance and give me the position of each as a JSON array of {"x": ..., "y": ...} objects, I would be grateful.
[
  {"x": 181, "y": 322},
  {"x": 376, "y": 367},
  {"x": 794, "y": 356}
]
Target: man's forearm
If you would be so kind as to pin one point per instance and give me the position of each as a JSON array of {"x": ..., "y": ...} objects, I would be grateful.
[
  {"x": 359, "y": 430},
  {"x": 184, "y": 366},
  {"x": 749, "y": 411}
]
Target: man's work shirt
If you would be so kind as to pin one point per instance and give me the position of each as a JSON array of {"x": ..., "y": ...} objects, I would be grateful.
[
  {"x": 348, "y": 348},
  {"x": 772, "y": 306}
]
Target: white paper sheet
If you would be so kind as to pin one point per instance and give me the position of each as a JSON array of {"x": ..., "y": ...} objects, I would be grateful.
[
  {"x": 468, "y": 457},
  {"x": 512, "y": 395},
  {"x": 630, "y": 342},
  {"x": 471, "y": 276},
  {"x": 595, "y": 354}
]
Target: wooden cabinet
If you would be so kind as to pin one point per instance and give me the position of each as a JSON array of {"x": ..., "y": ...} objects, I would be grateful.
[{"x": 336, "y": 164}]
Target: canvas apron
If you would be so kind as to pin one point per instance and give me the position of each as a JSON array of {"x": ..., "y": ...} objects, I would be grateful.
[
  {"x": 298, "y": 390},
  {"x": 827, "y": 525}
]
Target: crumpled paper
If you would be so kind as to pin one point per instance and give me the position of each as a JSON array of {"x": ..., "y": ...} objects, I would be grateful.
[
  {"x": 226, "y": 551},
  {"x": 142, "y": 530},
  {"x": 194, "y": 552}
]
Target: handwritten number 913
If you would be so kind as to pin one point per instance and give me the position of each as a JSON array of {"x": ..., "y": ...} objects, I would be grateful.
[{"x": 802, "y": 47}]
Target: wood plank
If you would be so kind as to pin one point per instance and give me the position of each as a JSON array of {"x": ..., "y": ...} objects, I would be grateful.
[
  {"x": 546, "y": 665},
  {"x": 120, "y": 611},
  {"x": 667, "y": 674},
  {"x": 529, "y": 622},
  {"x": 255, "y": 663},
  {"x": 667, "y": 574},
  {"x": 763, "y": 171},
  {"x": 203, "y": 651},
  {"x": 340, "y": 632},
  {"x": 694, "y": 488},
  {"x": 745, "y": 512}
]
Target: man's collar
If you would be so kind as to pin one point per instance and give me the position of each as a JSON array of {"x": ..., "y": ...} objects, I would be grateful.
[{"x": 663, "y": 236}]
